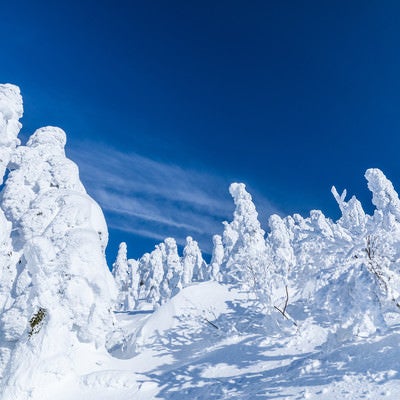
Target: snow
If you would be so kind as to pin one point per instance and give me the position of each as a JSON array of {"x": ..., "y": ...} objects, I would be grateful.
[
  {"x": 11, "y": 111},
  {"x": 59, "y": 287},
  {"x": 308, "y": 310}
]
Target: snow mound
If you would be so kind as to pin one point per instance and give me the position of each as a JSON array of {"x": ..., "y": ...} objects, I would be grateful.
[{"x": 189, "y": 305}]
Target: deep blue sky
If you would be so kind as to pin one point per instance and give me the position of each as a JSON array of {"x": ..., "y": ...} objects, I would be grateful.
[{"x": 166, "y": 102}]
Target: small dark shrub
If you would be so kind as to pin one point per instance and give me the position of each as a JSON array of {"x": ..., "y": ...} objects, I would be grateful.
[{"x": 36, "y": 321}]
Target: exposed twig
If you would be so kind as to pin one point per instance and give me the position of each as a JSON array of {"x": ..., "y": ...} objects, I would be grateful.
[
  {"x": 283, "y": 311},
  {"x": 287, "y": 299},
  {"x": 212, "y": 324},
  {"x": 375, "y": 268},
  {"x": 277, "y": 308}
]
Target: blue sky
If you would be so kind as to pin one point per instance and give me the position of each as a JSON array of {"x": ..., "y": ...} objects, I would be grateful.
[{"x": 167, "y": 102}]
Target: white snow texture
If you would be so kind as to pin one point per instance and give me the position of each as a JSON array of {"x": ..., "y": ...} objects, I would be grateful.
[
  {"x": 309, "y": 310},
  {"x": 55, "y": 284}
]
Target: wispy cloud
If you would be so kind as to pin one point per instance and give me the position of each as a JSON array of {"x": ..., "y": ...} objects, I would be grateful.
[{"x": 152, "y": 198}]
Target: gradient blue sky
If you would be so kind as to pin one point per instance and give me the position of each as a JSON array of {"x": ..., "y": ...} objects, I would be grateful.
[{"x": 167, "y": 102}]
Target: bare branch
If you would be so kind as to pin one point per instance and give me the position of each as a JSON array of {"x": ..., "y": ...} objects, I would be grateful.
[
  {"x": 283, "y": 311},
  {"x": 211, "y": 323},
  {"x": 287, "y": 299}
]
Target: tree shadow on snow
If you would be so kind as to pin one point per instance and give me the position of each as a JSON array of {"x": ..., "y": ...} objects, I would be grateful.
[{"x": 231, "y": 358}]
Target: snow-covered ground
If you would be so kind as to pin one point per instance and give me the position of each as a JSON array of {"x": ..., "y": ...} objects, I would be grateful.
[{"x": 206, "y": 343}]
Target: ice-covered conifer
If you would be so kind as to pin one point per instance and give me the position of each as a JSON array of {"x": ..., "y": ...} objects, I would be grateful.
[
  {"x": 11, "y": 111},
  {"x": 217, "y": 258},
  {"x": 243, "y": 239},
  {"x": 122, "y": 277},
  {"x": 193, "y": 265},
  {"x": 321, "y": 224},
  {"x": 133, "y": 291},
  {"x": 151, "y": 271},
  {"x": 172, "y": 280},
  {"x": 144, "y": 275},
  {"x": 63, "y": 291},
  {"x": 188, "y": 262},
  {"x": 279, "y": 240},
  {"x": 247, "y": 261},
  {"x": 157, "y": 274},
  {"x": 350, "y": 304},
  {"x": 384, "y": 197},
  {"x": 353, "y": 216}
]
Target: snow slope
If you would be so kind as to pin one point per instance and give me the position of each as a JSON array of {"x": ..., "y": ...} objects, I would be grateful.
[
  {"x": 309, "y": 309},
  {"x": 209, "y": 343}
]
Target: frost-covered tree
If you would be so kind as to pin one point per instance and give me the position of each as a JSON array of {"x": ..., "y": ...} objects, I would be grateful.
[
  {"x": 217, "y": 258},
  {"x": 382, "y": 243},
  {"x": 384, "y": 197},
  {"x": 133, "y": 291},
  {"x": 172, "y": 280},
  {"x": 188, "y": 262},
  {"x": 153, "y": 284},
  {"x": 63, "y": 291},
  {"x": 281, "y": 262},
  {"x": 144, "y": 271},
  {"x": 280, "y": 242},
  {"x": 353, "y": 216},
  {"x": 193, "y": 265},
  {"x": 151, "y": 272},
  {"x": 11, "y": 111},
  {"x": 127, "y": 279},
  {"x": 356, "y": 269},
  {"x": 162, "y": 273},
  {"x": 122, "y": 277},
  {"x": 246, "y": 260}
]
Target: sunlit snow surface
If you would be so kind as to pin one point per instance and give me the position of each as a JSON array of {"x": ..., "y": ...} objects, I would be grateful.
[{"x": 206, "y": 343}]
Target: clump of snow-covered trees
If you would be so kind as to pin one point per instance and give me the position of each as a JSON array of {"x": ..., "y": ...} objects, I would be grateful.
[
  {"x": 157, "y": 276},
  {"x": 346, "y": 273}
]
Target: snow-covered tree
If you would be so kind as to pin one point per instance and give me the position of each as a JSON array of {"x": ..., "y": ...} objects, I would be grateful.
[
  {"x": 11, "y": 111},
  {"x": 151, "y": 272},
  {"x": 172, "y": 280},
  {"x": 384, "y": 197},
  {"x": 133, "y": 291},
  {"x": 144, "y": 271},
  {"x": 246, "y": 260},
  {"x": 63, "y": 289},
  {"x": 280, "y": 243},
  {"x": 193, "y": 265},
  {"x": 353, "y": 216},
  {"x": 382, "y": 242},
  {"x": 122, "y": 277},
  {"x": 127, "y": 279},
  {"x": 217, "y": 258}
]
